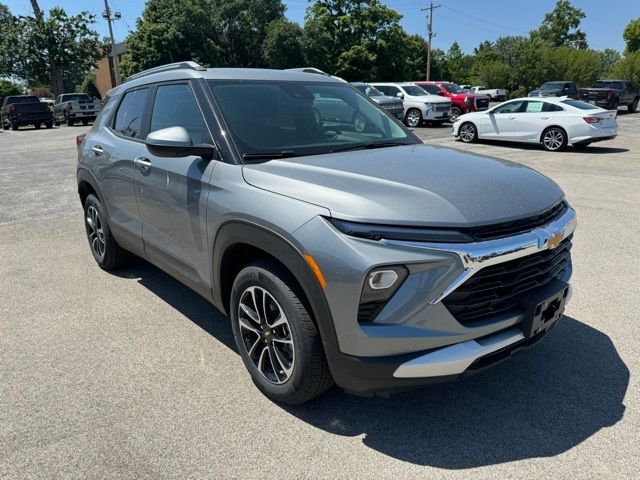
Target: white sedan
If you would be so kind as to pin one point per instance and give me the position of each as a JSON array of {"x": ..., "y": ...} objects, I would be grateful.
[{"x": 552, "y": 122}]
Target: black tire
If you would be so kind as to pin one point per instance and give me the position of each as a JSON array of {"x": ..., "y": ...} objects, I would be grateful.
[
  {"x": 85, "y": 122},
  {"x": 113, "y": 256},
  {"x": 15, "y": 126},
  {"x": 310, "y": 375},
  {"x": 5, "y": 126},
  {"x": 614, "y": 105},
  {"x": 634, "y": 106},
  {"x": 413, "y": 118},
  {"x": 468, "y": 133},
  {"x": 455, "y": 113},
  {"x": 37, "y": 126},
  {"x": 68, "y": 119},
  {"x": 554, "y": 139},
  {"x": 48, "y": 124}
]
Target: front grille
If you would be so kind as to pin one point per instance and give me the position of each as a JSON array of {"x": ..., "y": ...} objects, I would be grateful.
[
  {"x": 500, "y": 287},
  {"x": 393, "y": 108},
  {"x": 442, "y": 108},
  {"x": 369, "y": 311},
  {"x": 523, "y": 225}
]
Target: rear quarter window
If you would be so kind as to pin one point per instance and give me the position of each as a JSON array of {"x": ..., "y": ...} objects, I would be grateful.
[{"x": 580, "y": 104}]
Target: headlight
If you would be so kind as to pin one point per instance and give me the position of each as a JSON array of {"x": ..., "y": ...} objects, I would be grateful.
[
  {"x": 468, "y": 100},
  {"x": 428, "y": 105},
  {"x": 409, "y": 234}
]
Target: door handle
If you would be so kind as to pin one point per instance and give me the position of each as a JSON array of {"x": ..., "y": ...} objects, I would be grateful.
[
  {"x": 97, "y": 150},
  {"x": 512, "y": 118},
  {"x": 544, "y": 118},
  {"x": 143, "y": 163}
]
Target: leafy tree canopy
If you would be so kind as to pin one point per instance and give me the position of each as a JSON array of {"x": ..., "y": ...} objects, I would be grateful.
[
  {"x": 560, "y": 27},
  {"x": 631, "y": 35}
]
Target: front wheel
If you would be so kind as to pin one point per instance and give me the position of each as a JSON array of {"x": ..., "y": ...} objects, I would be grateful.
[
  {"x": 275, "y": 335},
  {"x": 554, "y": 139},
  {"x": 49, "y": 125},
  {"x": 106, "y": 251},
  {"x": 468, "y": 132},
  {"x": 413, "y": 118},
  {"x": 455, "y": 113}
]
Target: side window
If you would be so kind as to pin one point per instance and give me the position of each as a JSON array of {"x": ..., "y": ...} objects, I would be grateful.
[
  {"x": 175, "y": 106},
  {"x": 511, "y": 107},
  {"x": 393, "y": 91},
  {"x": 431, "y": 89},
  {"x": 534, "y": 107},
  {"x": 383, "y": 88},
  {"x": 551, "y": 107},
  {"x": 128, "y": 121}
]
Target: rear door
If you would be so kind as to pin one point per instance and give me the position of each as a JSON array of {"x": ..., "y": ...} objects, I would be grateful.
[
  {"x": 534, "y": 117},
  {"x": 113, "y": 150},
  {"x": 172, "y": 191}
]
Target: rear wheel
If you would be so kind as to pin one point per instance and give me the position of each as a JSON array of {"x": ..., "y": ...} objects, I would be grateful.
[
  {"x": 554, "y": 139},
  {"x": 49, "y": 124},
  {"x": 68, "y": 119},
  {"x": 15, "y": 126},
  {"x": 85, "y": 122},
  {"x": 468, "y": 132},
  {"x": 37, "y": 126},
  {"x": 614, "y": 105},
  {"x": 106, "y": 251},
  {"x": 275, "y": 335},
  {"x": 413, "y": 117},
  {"x": 634, "y": 106}
]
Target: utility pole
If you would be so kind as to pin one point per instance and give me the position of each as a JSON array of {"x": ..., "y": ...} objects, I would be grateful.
[
  {"x": 107, "y": 16},
  {"x": 430, "y": 35}
]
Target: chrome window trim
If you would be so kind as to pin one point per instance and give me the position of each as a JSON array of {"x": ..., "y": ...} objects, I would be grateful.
[{"x": 478, "y": 255}]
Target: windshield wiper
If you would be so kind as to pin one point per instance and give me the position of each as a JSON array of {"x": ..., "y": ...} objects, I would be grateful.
[
  {"x": 367, "y": 146},
  {"x": 268, "y": 155}
]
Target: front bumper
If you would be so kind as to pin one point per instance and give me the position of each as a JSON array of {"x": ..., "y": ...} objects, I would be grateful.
[
  {"x": 437, "y": 113},
  {"x": 415, "y": 339}
]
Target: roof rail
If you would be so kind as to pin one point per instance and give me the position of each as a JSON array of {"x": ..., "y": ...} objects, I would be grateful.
[{"x": 164, "y": 68}]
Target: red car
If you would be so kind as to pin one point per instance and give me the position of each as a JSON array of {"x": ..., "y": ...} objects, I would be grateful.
[{"x": 462, "y": 101}]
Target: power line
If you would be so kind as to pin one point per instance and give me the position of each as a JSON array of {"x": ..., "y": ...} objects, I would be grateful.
[{"x": 485, "y": 20}]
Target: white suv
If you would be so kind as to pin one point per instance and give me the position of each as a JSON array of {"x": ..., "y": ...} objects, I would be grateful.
[{"x": 419, "y": 104}]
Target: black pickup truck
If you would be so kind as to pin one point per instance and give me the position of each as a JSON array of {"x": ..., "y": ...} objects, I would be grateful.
[
  {"x": 25, "y": 110},
  {"x": 611, "y": 94}
]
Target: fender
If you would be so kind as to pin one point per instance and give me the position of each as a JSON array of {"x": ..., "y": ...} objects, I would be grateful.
[
  {"x": 85, "y": 175},
  {"x": 238, "y": 231}
]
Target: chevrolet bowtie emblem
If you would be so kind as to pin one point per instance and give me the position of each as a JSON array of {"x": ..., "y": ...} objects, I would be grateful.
[{"x": 554, "y": 240}]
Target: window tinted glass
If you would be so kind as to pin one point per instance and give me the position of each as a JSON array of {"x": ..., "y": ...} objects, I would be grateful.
[
  {"x": 580, "y": 104},
  {"x": 609, "y": 84},
  {"x": 431, "y": 89},
  {"x": 452, "y": 88},
  {"x": 550, "y": 107},
  {"x": 414, "y": 90},
  {"x": 24, "y": 99},
  {"x": 175, "y": 106},
  {"x": 128, "y": 119},
  {"x": 76, "y": 96},
  {"x": 302, "y": 118},
  {"x": 510, "y": 107}
]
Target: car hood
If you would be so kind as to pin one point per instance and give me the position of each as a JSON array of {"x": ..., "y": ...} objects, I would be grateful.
[
  {"x": 387, "y": 100},
  {"x": 410, "y": 185},
  {"x": 428, "y": 98}
]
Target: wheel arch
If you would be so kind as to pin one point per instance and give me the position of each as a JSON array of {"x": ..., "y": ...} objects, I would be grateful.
[
  {"x": 87, "y": 184},
  {"x": 544, "y": 130},
  {"x": 239, "y": 242}
]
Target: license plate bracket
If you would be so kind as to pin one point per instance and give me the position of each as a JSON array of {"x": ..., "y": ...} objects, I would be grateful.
[{"x": 544, "y": 307}]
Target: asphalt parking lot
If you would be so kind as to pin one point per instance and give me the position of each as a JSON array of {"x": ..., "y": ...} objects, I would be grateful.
[{"x": 131, "y": 375}]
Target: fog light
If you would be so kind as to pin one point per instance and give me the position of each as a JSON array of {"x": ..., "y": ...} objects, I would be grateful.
[{"x": 381, "y": 279}]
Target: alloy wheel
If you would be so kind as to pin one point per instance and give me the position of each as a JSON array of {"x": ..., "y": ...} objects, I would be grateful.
[
  {"x": 553, "y": 139},
  {"x": 455, "y": 113},
  {"x": 95, "y": 232},
  {"x": 266, "y": 334},
  {"x": 467, "y": 132},
  {"x": 413, "y": 118}
]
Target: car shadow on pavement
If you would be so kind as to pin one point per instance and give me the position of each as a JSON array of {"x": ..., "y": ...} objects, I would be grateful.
[
  {"x": 538, "y": 404},
  {"x": 593, "y": 149}
]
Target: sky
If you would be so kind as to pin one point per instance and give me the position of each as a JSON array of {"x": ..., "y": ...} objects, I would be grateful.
[{"x": 468, "y": 22}]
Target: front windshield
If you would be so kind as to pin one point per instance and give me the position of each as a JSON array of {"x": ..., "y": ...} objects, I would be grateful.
[
  {"x": 551, "y": 86},
  {"x": 414, "y": 90},
  {"x": 452, "y": 88},
  {"x": 302, "y": 118},
  {"x": 76, "y": 96}
]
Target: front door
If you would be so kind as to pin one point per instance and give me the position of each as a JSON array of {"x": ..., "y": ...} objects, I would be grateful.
[
  {"x": 501, "y": 122},
  {"x": 172, "y": 192}
]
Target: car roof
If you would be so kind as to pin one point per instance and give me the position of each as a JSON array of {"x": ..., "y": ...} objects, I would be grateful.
[
  {"x": 396, "y": 84},
  {"x": 223, "y": 74}
]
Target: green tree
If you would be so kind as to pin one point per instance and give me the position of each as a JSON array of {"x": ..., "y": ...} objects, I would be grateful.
[
  {"x": 241, "y": 27},
  {"x": 493, "y": 74},
  {"x": 9, "y": 35},
  {"x": 56, "y": 48},
  {"x": 608, "y": 59},
  {"x": 508, "y": 49},
  {"x": 458, "y": 64},
  {"x": 283, "y": 45},
  {"x": 582, "y": 66},
  {"x": 8, "y": 88},
  {"x": 628, "y": 68},
  {"x": 171, "y": 31},
  {"x": 561, "y": 26},
  {"x": 89, "y": 86},
  {"x": 631, "y": 35}
]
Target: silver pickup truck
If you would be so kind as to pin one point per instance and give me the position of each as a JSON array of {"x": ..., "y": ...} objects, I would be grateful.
[{"x": 72, "y": 107}]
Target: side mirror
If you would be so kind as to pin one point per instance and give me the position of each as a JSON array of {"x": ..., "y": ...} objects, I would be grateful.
[
  {"x": 400, "y": 95},
  {"x": 176, "y": 142},
  {"x": 441, "y": 93}
]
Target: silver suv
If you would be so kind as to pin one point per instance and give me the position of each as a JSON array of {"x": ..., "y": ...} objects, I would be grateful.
[{"x": 347, "y": 255}]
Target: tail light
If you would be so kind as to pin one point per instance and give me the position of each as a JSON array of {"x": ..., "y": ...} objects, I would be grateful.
[
  {"x": 12, "y": 110},
  {"x": 610, "y": 94},
  {"x": 50, "y": 109},
  {"x": 69, "y": 106},
  {"x": 592, "y": 119},
  {"x": 79, "y": 140}
]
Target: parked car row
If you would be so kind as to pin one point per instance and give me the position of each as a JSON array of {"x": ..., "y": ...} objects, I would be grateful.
[
  {"x": 20, "y": 110},
  {"x": 609, "y": 94}
]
